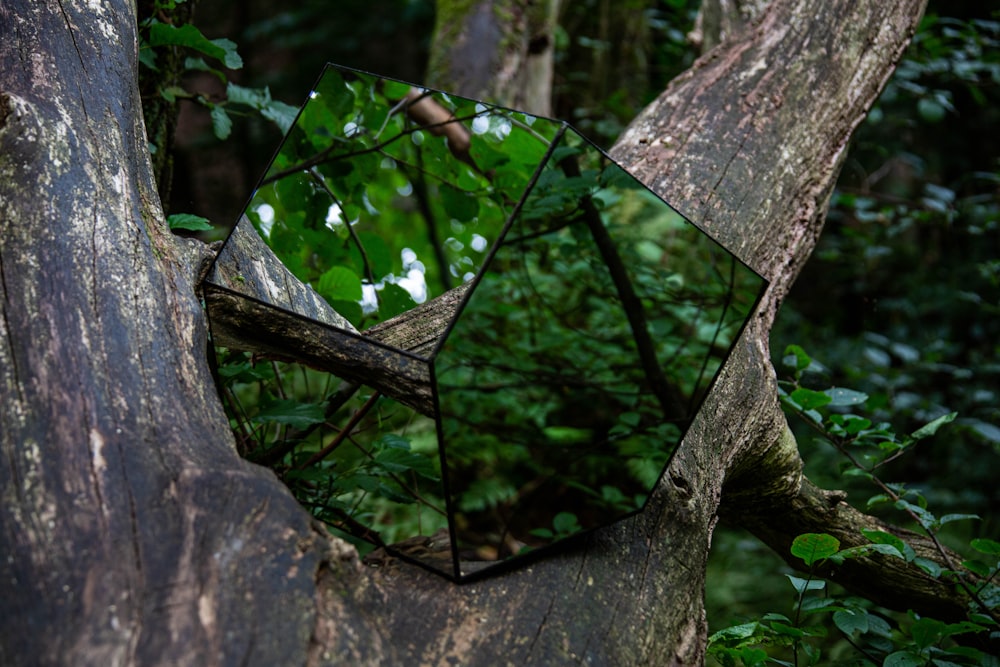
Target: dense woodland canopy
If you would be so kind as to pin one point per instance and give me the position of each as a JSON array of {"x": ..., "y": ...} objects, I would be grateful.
[{"x": 899, "y": 300}]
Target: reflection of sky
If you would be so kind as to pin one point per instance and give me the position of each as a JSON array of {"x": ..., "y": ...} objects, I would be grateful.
[
  {"x": 413, "y": 281},
  {"x": 266, "y": 214}
]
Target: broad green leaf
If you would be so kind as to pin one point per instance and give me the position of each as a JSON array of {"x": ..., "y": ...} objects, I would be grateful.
[
  {"x": 251, "y": 97},
  {"x": 741, "y": 631},
  {"x": 926, "y": 518},
  {"x": 393, "y": 300},
  {"x": 787, "y": 630},
  {"x": 291, "y": 412},
  {"x": 394, "y": 441},
  {"x": 807, "y": 399},
  {"x": 565, "y": 522},
  {"x": 841, "y": 396},
  {"x": 194, "y": 223},
  {"x": 281, "y": 114},
  {"x": 164, "y": 34},
  {"x": 814, "y": 547},
  {"x": 802, "y": 585},
  {"x": 850, "y": 621},
  {"x": 986, "y": 546},
  {"x": 395, "y": 90},
  {"x": 948, "y": 518},
  {"x": 928, "y": 566},
  {"x": 931, "y": 428},
  {"x": 222, "y": 124},
  {"x": 927, "y": 631},
  {"x": 881, "y": 537},
  {"x": 403, "y": 461},
  {"x": 903, "y": 659},
  {"x": 340, "y": 284},
  {"x": 977, "y": 566},
  {"x": 796, "y": 357},
  {"x": 458, "y": 204}
]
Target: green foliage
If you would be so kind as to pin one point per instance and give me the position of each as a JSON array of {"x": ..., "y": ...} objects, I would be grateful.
[
  {"x": 876, "y": 636},
  {"x": 902, "y": 293},
  {"x": 351, "y": 457},
  {"x": 164, "y": 37}
]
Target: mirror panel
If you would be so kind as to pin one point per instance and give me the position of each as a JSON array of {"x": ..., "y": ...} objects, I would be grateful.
[
  {"x": 384, "y": 196},
  {"x": 566, "y": 323},
  {"x": 580, "y": 358}
]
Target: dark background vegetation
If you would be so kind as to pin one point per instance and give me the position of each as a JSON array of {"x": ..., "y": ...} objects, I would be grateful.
[{"x": 900, "y": 300}]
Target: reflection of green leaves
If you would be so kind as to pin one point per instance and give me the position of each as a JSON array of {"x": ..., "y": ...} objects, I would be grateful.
[
  {"x": 394, "y": 300},
  {"x": 459, "y": 204},
  {"x": 340, "y": 284},
  {"x": 291, "y": 412},
  {"x": 564, "y": 524},
  {"x": 400, "y": 461}
]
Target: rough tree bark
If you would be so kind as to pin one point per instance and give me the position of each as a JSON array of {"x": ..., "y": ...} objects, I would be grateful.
[{"x": 132, "y": 533}]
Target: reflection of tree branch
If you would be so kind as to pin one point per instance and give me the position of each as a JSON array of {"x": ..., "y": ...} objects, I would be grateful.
[
  {"x": 440, "y": 121},
  {"x": 344, "y": 433},
  {"x": 318, "y": 177},
  {"x": 328, "y": 154},
  {"x": 424, "y": 204},
  {"x": 667, "y": 395}
]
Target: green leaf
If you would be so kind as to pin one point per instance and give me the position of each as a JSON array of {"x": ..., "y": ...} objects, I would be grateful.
[
  {"x": 927, "y": 631},
  {"x": 395, "y": 90},
  {"x": 403, "y": 461},
  {"x": 930, "y": 429},
  {"x": 986, "y": 546},
  {"x": 903, "y": 659},
  {"x": 928, "y": 566},
  {"x": 841, "y": 396},
  {"x": 222, "y": 124},
  {"x": 565, "y": 522},
  {"x": 251, "y": 97},
  {"x": 948, "y": 518},
  {"x": 881, "y": 537},
  {"x": 194, "y": 223},
  {"x": 281, "y": 114},
  {"x": 458, "y": 204},
  {"x": 850, "y": 621},
  {"x": 796, "y": 357},
  {"x": 802, "y": 585},
  {"x": 926, "y": 518},
  {"x": 340, "y": 284},
  {"x": 741, "y": 631},
  {"x": 164, "y": 34},
  {"x": 394, "y": 441},
  {"x": 393, "y": 300},
  {"x": 807, "y": 399},
  {"x": 814, "y": 547},
  {"x": 978, "y": 567},
  {"x": 291, "y": 412}
]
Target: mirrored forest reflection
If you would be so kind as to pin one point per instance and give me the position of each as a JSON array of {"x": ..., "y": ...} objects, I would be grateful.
[{"x": 571, "y": 322}]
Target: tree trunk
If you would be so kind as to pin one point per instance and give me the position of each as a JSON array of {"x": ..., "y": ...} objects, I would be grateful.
[
  {"x": 497, "y": 50},
  {"x": 134, "y": 534}
]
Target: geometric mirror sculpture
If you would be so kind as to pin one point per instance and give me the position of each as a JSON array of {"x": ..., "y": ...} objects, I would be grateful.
[{"x": 492, "y": 337}]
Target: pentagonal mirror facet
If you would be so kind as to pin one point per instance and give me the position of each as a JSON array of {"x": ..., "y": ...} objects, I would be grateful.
[
  {"x": 514, "y": 332},
  {"x": 384, "y": 196},
  {"x": 580, "y": 358}
]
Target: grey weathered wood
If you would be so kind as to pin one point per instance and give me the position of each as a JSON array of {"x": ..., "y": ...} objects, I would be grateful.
[
  {"x": 246, "y": 324},
  {"x": 248, "y": 266}
]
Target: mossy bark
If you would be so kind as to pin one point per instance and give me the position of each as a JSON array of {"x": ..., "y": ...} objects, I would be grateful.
[
  {"x": 131, "y": 531},
  {"x": 496, "y": 50}
]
